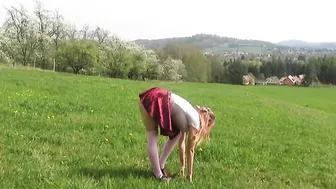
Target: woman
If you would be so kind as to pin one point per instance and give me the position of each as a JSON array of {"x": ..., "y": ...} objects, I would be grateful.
[{"x": 175, "y": 117}]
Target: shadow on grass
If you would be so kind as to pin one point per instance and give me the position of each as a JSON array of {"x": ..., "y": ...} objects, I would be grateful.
[{"x": 115, "y": 172}]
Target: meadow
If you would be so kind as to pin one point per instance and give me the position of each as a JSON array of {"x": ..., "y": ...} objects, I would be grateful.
[{"x": 73, "y": 131}]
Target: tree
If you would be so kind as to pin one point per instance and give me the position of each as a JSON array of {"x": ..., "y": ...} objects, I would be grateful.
[
  {"x": 253, "y": 66},
  {"x": 84, "y": 33},
  {"x": 44, "y": 27},
  {"x": 196, "y": 66},
  {"x": 236, "y": 71},
  {"x": 59, "y": 33},
  {"x": 3, "y": 57},
  {"x": 311, "y": 71},
  {"x": 19, "y": 38},
  {"x": 138, "y": 67},
  {"x": 116, "y": 58},
  {"x": 77, "y": 54},
  {"x": 153, "y": 69},
  {"x": 100, "y": 35},
  {"x": 217, "y": 70},
  {"x": 173, "y": 69}
]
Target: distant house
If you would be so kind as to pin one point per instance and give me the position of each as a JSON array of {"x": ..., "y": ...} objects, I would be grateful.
[
  {"x": 281, "y": 81},
  {"x": 248, "y": 79},
  {"x": 294, "y": 80},
  {"x": 302, "y": 79},
  {"x": 245, "y": 80},
  {"x": 274, "y": 80},
  {"x": 289, "y": 80}
]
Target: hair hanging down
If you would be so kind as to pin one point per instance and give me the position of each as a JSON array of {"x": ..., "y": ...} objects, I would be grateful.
[{"x": 207, "y": 121}]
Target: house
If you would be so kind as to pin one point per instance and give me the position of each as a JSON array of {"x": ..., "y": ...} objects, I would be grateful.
[
  {"x": 274, "y": 80},
  {"x": 302, "y": 79},
  {"x": 281, "y": 81},
  {"x": 248, "y": 79},
  {"x": 294, "y": 80},
  {"x": 289, "y": 80},
  {"x": 245, "y": 80}
]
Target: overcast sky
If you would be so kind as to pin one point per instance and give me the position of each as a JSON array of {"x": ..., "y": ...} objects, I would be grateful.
[{"x": 270, "y": 20}]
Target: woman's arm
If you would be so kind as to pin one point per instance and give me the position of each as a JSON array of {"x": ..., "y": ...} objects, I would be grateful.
[
  {"x": 182, "y": 152},
  {"x": 190, "y": 151}
]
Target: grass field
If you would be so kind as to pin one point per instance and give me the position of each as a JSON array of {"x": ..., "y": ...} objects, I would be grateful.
[{"x": 70, "y": 131}]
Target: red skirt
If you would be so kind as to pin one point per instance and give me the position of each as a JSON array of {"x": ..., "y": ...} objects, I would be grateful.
[{"x": 156, "y": 101}]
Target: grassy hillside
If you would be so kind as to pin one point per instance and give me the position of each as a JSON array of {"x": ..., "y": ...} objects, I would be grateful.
[
  {"x": 71, "y": 131},
  {"x": 212, "y": 43}
]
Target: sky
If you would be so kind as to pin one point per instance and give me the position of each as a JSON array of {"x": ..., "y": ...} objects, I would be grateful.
[{"x": 269, "y": 20}]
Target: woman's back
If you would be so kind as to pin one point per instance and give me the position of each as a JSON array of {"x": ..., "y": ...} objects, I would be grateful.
[{"x": 183, "y": 113}]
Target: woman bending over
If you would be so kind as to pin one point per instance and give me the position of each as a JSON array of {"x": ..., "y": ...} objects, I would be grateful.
[{"x": 175, "y": 117}]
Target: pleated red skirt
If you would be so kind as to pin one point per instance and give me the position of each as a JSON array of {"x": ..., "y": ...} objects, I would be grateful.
[{"x": 156, "y": 101}]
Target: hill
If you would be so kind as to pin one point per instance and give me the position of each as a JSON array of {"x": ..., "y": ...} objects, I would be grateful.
[
  {"x": 292, "y": 43},
  {"x": 73, "y": 131},
  {"x": 304, "y": 44},
  {"x": 212, "y": 43}
]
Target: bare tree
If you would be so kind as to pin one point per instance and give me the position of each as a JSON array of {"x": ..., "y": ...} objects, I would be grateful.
[
  {"x": 84, "y": 32},
  {"x": 100, "y": 35}
]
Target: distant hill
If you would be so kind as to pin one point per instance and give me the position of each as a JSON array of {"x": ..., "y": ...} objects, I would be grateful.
[
  {"x": 292, "y": 43},
  {"x": 304, "y": 44},
  {"x": 212, "y": 43}
]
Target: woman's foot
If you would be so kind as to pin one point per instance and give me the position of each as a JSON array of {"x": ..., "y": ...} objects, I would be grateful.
[
  {"x": 163, "y": 170},
  {"x": 162, "y": 177}
]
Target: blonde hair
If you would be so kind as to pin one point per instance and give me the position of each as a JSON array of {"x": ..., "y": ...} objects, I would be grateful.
[{"x": 207, "y": 121}]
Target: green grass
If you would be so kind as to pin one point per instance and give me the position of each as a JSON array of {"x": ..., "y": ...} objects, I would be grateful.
[{"x": 70, "y": 131}]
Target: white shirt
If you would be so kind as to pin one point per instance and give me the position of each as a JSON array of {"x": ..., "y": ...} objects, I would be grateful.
[{"x": 190, "y": 112}]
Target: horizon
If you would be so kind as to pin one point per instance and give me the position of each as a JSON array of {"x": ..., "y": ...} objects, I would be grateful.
[
  {"x": 237, "y": 38},
  {"x": 166, "y": 20}
]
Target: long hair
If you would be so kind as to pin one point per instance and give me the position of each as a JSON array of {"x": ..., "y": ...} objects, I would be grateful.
[{"x": 207, "y": 121}]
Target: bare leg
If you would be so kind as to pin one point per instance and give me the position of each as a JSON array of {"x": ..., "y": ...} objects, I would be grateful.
[
  {"x": 152, "y": 139},
  {"x": 167, "y": 149}
]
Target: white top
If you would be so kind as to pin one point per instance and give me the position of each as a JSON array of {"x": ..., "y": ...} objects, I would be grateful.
[{"x": 191, "y": 113}]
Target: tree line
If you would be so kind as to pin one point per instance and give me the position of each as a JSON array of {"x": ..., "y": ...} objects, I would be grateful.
[
  {"x": 42, "y": 39},
  {"x": 316, "y": 69}
]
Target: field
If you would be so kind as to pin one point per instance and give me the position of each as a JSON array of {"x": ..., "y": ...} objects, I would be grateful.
[{"x": 71, "y": 131}]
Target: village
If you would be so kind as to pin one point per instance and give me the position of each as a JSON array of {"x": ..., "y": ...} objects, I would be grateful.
[{"x": 249, "y": 79}]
